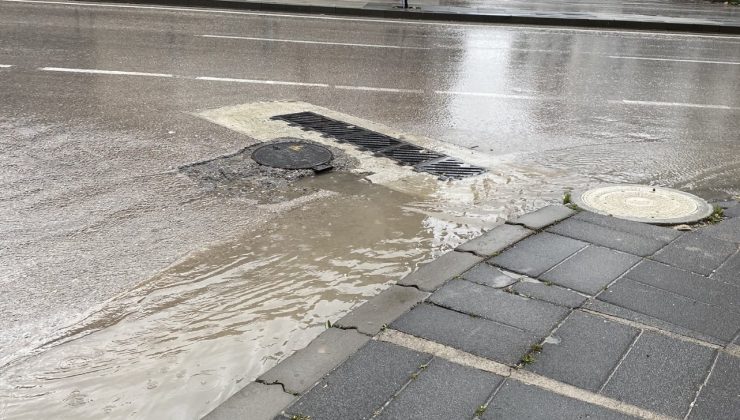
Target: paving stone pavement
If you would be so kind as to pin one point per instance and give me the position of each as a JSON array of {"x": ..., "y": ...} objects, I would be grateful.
[{"x": 574, "y": 316}]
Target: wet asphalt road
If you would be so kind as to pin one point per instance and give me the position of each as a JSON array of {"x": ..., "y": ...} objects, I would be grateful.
[{"x": 89, "y": 205}]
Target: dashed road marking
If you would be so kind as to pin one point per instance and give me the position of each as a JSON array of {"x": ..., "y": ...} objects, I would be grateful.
[
  {"x": 495, "y": 95},
  {"x": 673, "y": 104},
  {"x": 5, "y": 66},
  {"x": 379, "y": 89},
  {"x": 300, "y": 41},
  {"x": 679, "y": 60},
  {"x": 107, "y": 72},
  {"x": 260, "y": 82}
]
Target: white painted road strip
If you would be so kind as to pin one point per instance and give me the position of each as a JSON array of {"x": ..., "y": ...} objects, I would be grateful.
[
  {"x": 108, "y": 72},
  {"x": 299, "y": 41},
  {"x": 678, "y": 60},
  {"x": 495, "y": 95},
  {"x": 378, "y": 89},
  {"x": 261, "y": 82},
  {"x": 5, "y": 66},
  {"x": 674, "y": 104}
]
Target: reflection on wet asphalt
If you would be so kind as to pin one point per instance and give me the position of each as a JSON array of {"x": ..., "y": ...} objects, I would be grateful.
[{"x": 151, "y": 295}]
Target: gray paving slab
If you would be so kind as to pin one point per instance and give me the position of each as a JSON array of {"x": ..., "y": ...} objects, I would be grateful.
[
  {"x": 474, "y": 335},
  {"x": 550, "y": 293},
  {"x": 732, "y": 212},
  {"x": 489, "y": 275},
  {"x": 658, "y": 233},
  {"x": 696, "y": 252},
  {"x": 592, "y": 269},
  {"x": 518, "y": 401},
  {"x": 432, "y": 275},
  {"x": 720, "y": 397},
  {"x": 588, "y": 349},
  {"x": 710, "y": 291},
  {"x": 661, "y": 374},
  {"x": 382, "y": 309},
  {"x": 607, "y": 237},
  {"x": 697, "y": 316},
  {"x": 544, "y": 217},
  {"x": 628, "y": 314},
  {"x": 727, "y": 230},
  {"x": 255, "y": 402},
  {"x": 304, "y": 368},
  {"x": 495, "y": 240},
  {"x": 537, "y": 254},
  {"x": 527, "y": 314},
  {"x": 360, "y": 386},
  {"x": 729, "y": 271},
  {"x": 443, "y": 391}
]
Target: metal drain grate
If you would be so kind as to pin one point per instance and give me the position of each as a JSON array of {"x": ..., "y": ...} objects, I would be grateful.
[{"x": 403, "y": 153}]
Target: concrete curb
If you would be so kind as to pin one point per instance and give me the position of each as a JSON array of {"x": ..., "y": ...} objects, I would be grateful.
[
  {"x": 448, "y": 14},
  {"x": 277, "y": 388}
]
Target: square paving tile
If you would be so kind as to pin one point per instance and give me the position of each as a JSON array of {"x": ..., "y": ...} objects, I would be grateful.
[
  {"x": 720, "y": 398},
  {"x": 695, "y": 252},
  {"x": 589, "y": 348},
  {"x": 550, "y": 293},
  {"x": 474, "y": 335},
  {"x": 727, "y": 230},
  {"x": 520, "y": 312},
  {"x": 488, "y": 275},
  {"x": 729, "y": 271},
  {"x": 590, "y": 270},
  {"x": 670, "y": 307},
  {"x": 537, "y": 254},
  {"x": 710, "y": 291},
  {"x": 610, "y": 238},
  {"x": 661, "y": 374},
  {"x": 362, "y": 384},
  {"x": 517, "y": 401},
  {"x": 641, "y": 229},
  {"x": 443, "y": 391}
]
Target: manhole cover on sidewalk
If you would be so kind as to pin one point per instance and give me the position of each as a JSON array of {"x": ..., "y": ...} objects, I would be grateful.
[
  {"x": 293, "y": 155},
  {"x": 643, "y": 203}
]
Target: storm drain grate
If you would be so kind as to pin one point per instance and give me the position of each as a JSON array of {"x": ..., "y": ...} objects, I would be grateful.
[{"x": 423, "y": 160}]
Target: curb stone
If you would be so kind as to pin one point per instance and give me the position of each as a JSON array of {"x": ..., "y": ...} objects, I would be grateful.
[
  {"x": 255, "y": 401},
  {"x": 544, "y": 217},
  {"x": 429, "y": 277},
  {"x": 379, "y": 311},
  {"x": 495, "y": 240}
]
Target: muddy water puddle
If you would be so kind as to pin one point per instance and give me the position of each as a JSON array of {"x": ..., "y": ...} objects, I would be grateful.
[{"x": 180, "y": 343}]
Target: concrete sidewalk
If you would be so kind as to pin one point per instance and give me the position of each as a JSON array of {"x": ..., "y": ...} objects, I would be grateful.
[
  {"x": 555, "y": 315},
  {"x": 675, "y": 15}
]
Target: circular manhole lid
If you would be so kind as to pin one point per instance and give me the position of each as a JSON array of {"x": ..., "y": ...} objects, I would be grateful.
[
  {"x": 292, "y": 155},
  {"x": 643, "y": 203}
]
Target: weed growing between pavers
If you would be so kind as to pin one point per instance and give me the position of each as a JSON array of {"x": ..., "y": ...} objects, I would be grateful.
[
  {"x": 566, "y": 198},
  {"x": 299, "y": 417},
  {"x": 480, "y": 410},
  {"x": 717, "y": 215},
  {"x": 529, "y": 357}
]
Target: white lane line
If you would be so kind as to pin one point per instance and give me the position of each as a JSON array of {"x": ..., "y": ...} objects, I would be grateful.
[
  {"x": 680, "y": 60},
  {"x": 261, "y": 82},
  {"x": 378, "y": 89},
  {"x": 673, "y": 104},
  {"x": 495, "y": 95},
  {"x": 502, "y": 26},
  {"x": 108, "y": 72},
  {"x": 5, "y": 66},
  {"x": 299, "y": 41}
]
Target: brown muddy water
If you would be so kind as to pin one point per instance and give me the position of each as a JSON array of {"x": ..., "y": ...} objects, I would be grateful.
[{"x": 180, "y": 343}]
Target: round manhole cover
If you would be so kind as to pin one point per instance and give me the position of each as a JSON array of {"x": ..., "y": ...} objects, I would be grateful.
[
  {"x": 292, "y": 155},
  {"x": 643, "y": 203}
]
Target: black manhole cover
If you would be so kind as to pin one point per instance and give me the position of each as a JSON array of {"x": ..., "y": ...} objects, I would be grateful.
[{"x": 293, "y": 155}]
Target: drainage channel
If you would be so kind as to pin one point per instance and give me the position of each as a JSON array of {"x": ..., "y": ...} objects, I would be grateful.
[{"x": 403, "y": 153}]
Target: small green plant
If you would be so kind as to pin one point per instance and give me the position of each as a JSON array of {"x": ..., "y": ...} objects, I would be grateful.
[
  {"x": 383, "y": 327},
  {"x": 547, "y": 282},
  {"x": 528, "y": 359},
  {"x": 480, "y": 410},
  {"x": 536, "y": 348},
  {"x": 328, "y": 324},
  {"x": 299, "y": 417},
  {"x": 566, "y": 198},
  {"x": 717, "y": 215}
]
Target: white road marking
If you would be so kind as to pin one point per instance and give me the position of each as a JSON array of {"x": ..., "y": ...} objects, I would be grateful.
[
  {"x": 109, "y": 72},
  {"x": 526, "y": 28},
  {"x": 378, "y": 89},
  {"x": 680, "y": 60},
  {"x": 674, "y": 104},
  {"x": 495, "y": 95},
  {"x": 5, "y": 66},
  {"x": 261, "y": 82},
  {"x": 298, "y": 41}
]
